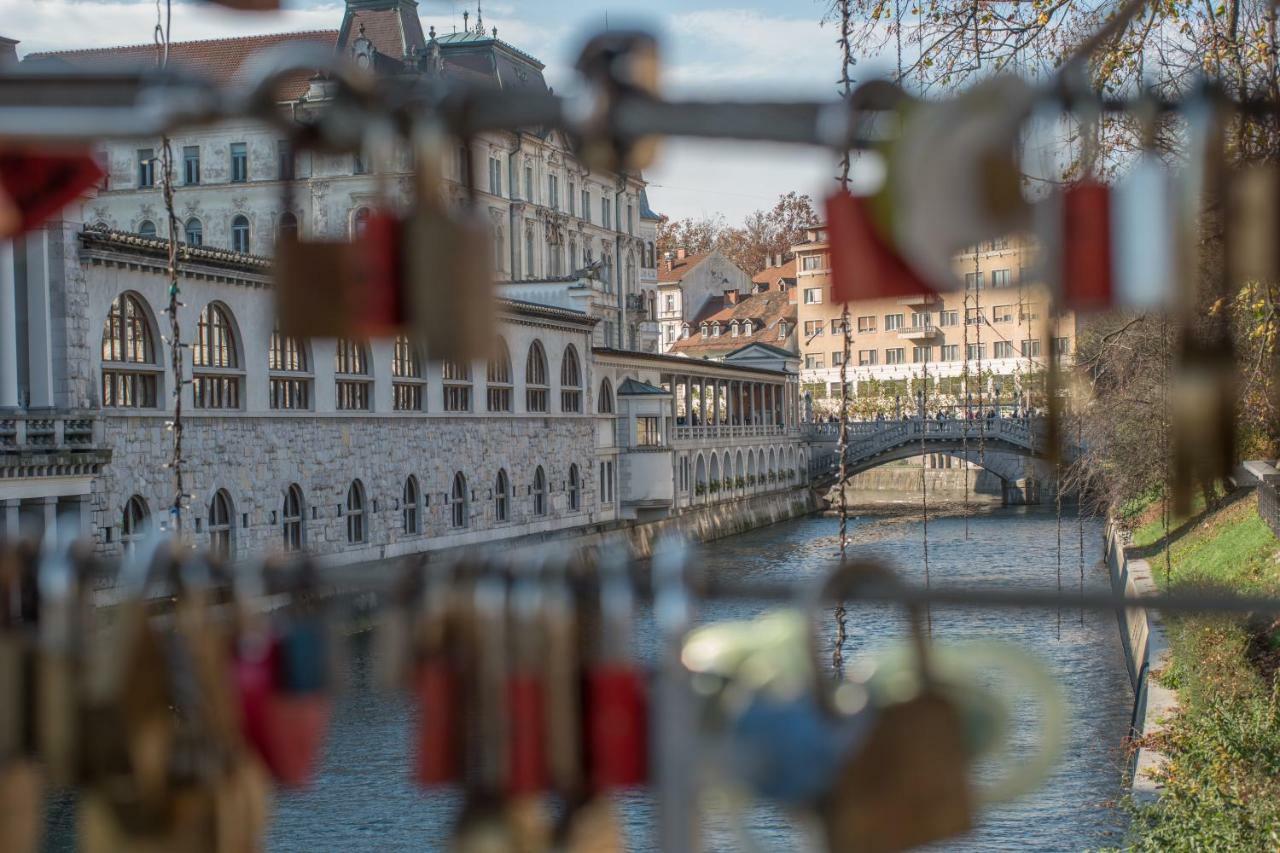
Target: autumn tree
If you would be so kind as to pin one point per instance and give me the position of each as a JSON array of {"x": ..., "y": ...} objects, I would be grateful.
[{"x": 763, "y": 233}]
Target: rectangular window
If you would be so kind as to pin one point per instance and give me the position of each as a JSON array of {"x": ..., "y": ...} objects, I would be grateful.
[
  {"x": 814, "y": 362},
  {"x": 647, "y": 433},
  {"x": 892, "y": 322},
  {"x": 950, "y": 352},
  {"x": 239, "y": 163},
  {"x": 837, "y": 358},
  {"x": 921, "y": 355},
  {"x": 813, "y": 327},
  {"x": 897, "y": 355},
  {"x": 146, "y": 167},
  {"x": 1004, "y": 349},
  {"x": 813, "y": 296},
  {"x": 809, "y": 263},
  {"x": 866, "y": 324},
  {"x": 1062, "y": 346},
  {"x": 868, "y": 357},
  {"x": 572, "y": 196},
  {"x": 1031, "y": 348},
  {"x": 1002, "y": 314},
  {"x": 1001, "y": 278},
  {"x": 670, "y": 303},
  {"x": 606, "y": 213},
  {"x": 289, "y": 393},
  {"x": 976, "y": 352},
  {"x": 837, "y": 326},
  {"x": 1029, "y": 312},
  {"x": 284, "y": 160},
  {"x": 586, "y": 204},
  {"x": 973, "y": 281},
  {"x": 949, "y": 318},
  {"x": 408, "y": 396},
  {"x": 553, "y": 191},
  {"x": 921, "y": 320},
  {"x": 972, "y": 316},
  {"x": 352, "y": 395},
  {"x": 191, "y": 164},
  {"x": 215, "y": 392},
  {"x": 495, "y": 176}
]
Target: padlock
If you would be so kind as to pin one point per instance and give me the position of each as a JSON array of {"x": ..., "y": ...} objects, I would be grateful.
[
  {"x": 617, "y": 713},
  {"x": 382, "y": 308},
  {"x": 863, "y": 264},
  {"x": 438, "y": 686},
  {"x": 1142, "y": 236},
  {"x": 1086, "y": 247},
  {"x": 61, "y": 632},
  {"x": 1252, "y": 222},
  {"x": 299, "y": 707},
  {"x": 1202, "y": 402},
  {"x": 35, "y": 186},
  {"x": 448, "y": 261},
  {"x": 527, "y": 772},
  {"x": 21, "y": 805},
  {"x": 617, "y": 65}
]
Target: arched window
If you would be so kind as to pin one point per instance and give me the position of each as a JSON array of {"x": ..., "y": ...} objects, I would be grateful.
[
  {"x": 458, "y": 501},
  {"x": 605, "y": 404},
  {"x": 535, "y": 378},
  {"x": 240, "y": 234},
  {"x": 289, "y": 384},
  {"x": 147, "y": 228},
  {"x": 359, "y": 222},
  {"x": 134, "y": 522},
  {"x": 351, "y": 375},
  {"x": 129, "y": 373},
  {"x": 221, "y": 526},
  {"x": 573, "y": 256},
  {"x": 288, "y": 226},
  {"x": 539, "y": 492},
  {"x": 293, "y": 520},
  {"x": 215, "y": 375},
  {"x": 194, "y": 232},
  {"x": 501, "y": 496},
  {"x": 498, "y": 378},
  {"x": 570, "y": 381},
  {"x": 356, "y": 528},
  {"x": 410, "y": 507},
  {"x": 456, "y": 376},
  {"x": 575, "y": 489},
  {"x": 406, "y": 376}
]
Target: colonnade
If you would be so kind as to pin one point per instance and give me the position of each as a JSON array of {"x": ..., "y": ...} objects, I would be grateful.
[{"x": 712, "y": 401}]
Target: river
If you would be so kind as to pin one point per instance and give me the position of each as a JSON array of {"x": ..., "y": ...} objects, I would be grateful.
[{"x": 363, "y": 801}]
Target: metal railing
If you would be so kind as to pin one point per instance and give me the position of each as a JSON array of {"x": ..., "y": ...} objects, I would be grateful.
[{"x": 25, "y": 432}]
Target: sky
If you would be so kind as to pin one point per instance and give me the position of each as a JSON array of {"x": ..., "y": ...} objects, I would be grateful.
[{"x": 734, "y": 49}]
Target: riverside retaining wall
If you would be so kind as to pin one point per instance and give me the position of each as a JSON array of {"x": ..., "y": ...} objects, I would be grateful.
[{"x": 1146, "y": 650}]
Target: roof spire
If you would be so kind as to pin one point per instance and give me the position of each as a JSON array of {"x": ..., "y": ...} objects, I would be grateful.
[
  {"x": 466, "y": 20},
  {"x": 479, "y": 19}
]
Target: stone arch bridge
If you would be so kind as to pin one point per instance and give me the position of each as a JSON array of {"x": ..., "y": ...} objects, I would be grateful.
[{"x": 875, "y": 443}]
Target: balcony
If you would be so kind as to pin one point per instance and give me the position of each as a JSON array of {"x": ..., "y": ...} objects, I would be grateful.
[
  {"x": 919, "y": 333},
  {"x": 927, "y": 299},
  {"x": 51, "y": 445}
]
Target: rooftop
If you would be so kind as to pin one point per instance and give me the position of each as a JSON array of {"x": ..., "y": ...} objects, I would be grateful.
[
  {"x": 679, "y": 267},
  {"x": 764, "y": 310}
]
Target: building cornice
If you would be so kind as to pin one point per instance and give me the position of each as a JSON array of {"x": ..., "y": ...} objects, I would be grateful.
[{"x": 627, "y": 358}]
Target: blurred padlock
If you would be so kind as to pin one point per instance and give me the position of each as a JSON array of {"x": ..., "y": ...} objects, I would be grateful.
[
  {"x": 617, "y": 696},
  {"x": 448, "y": 261},
  {"x": 617, "y": 65},
  {"x": 1086, "y": 247},
  {"x": 438, "y": 687},
  {"x": 1252, "y": 224},
  {"x": 863, "y": 264},
  {"x": 1142, "y": 236},
  {"x": 383, "y": 310},
  {"x": 36, "y": 186}
]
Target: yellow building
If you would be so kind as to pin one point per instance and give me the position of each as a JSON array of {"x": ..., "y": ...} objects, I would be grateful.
[{"x": 997, "y": 327}]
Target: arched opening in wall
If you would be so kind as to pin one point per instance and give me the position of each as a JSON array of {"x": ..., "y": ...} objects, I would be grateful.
[
  {"x": 458, "y": 501},
  {"x": 700, "y": 476},
  {"x": 216, "y": 373},
  {"x": 130, "y": 372},
  {"x": 193, "y": 232},
  {"x": 407, "y": 383},
  {"x": 456, "y": 379},
  {"x": 738, "y": 472},
  {"x": 570, "y": 381},
  {"x": 359, "y": 222},
  {"x": 410, "y": 507},
  {"x": 146, "y": 228},
  {"x": 714, "y": 481},
  {"x": 221, "y": 526},
  {"x": 498, "y": 378},
  {"x": 539, "y": 492},
  {"x": 502, "y": 497},
  {"x": 294, "y": 523},
  {"x": 772, "y": 463},
  {"x": 240, "y": 234},
  {"x": 535, "y": 378},
  {"x": 353, "y": 387},
  {"x": 357, "y": 526},
  {"x": 575, "y": 489},
  {"x": 604, "y": 405},
  {"x": 288, "y": 369},
  {"x": 288, "y": 226},
  {"x": 135, "y": 521},
  {"x": 727, "y": 472},
  {"x": 751, "y": 468}
]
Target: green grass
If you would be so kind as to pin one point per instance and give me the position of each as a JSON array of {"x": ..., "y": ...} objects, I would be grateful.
[
  {"x": 1153, "y": 531},
  {"x": 1222, "y": 783}
]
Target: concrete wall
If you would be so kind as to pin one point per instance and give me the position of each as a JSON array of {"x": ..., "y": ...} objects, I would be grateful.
[{"x": 1146, "y": 650}]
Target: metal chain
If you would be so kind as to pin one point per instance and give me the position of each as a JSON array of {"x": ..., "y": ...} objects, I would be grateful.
[
  {"x": 846, "y": 89},
  {"x": 964, "y": 390},
  {"x": 164, "y": 22},
  {"x": 924, "y": 486}
]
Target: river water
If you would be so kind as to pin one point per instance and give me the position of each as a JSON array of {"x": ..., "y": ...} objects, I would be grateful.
[{"x": 363, "y": 801}]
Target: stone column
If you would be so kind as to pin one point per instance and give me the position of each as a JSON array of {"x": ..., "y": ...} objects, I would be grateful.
[
  {"x": 9, "y": 518},
  {"x": 84, "y": 504},
  {"x": 50, "y": 517},
  {"x": 39, "y": 329},
  {"x": 8, "y": 329}
]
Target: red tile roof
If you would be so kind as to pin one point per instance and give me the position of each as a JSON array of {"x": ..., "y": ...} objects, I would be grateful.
[
  {"x": 768, "y": 308},
  {"x": 219, "y": 59},
  {"x": 772, "y": 274},
  {"x": 679, "y": 268}
]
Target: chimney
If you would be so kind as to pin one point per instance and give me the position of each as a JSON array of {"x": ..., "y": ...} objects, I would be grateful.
[
  {"x": 680, "y": 254},
  {"x": 667, "y": 259},
  {"x": 8, "y": 52},
  {"x": 731, "y": 297}
]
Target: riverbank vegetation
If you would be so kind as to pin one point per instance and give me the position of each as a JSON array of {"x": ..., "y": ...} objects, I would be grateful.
[{"x": 1221, "y": 785}]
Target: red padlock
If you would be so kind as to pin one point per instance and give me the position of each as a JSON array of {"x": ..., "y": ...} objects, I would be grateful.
[
  {"x": 253, "y": 673},
  {"x": 296, "y": 728},
  {"x": 381, "y": 301},
  {"x": 437, "y": 751},
  {"x": 527, "y": 769},
  {"x": 34, "y": 187},
  {"x": 1086, "y": 247},
  {"x": 863, "y": 264},
  {"x": 617, "y": 726}
]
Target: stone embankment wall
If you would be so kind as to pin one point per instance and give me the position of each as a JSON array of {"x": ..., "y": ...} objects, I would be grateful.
[
  {"x": 1146, "y": 650},
  {"x": 901, "y": 484}
]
